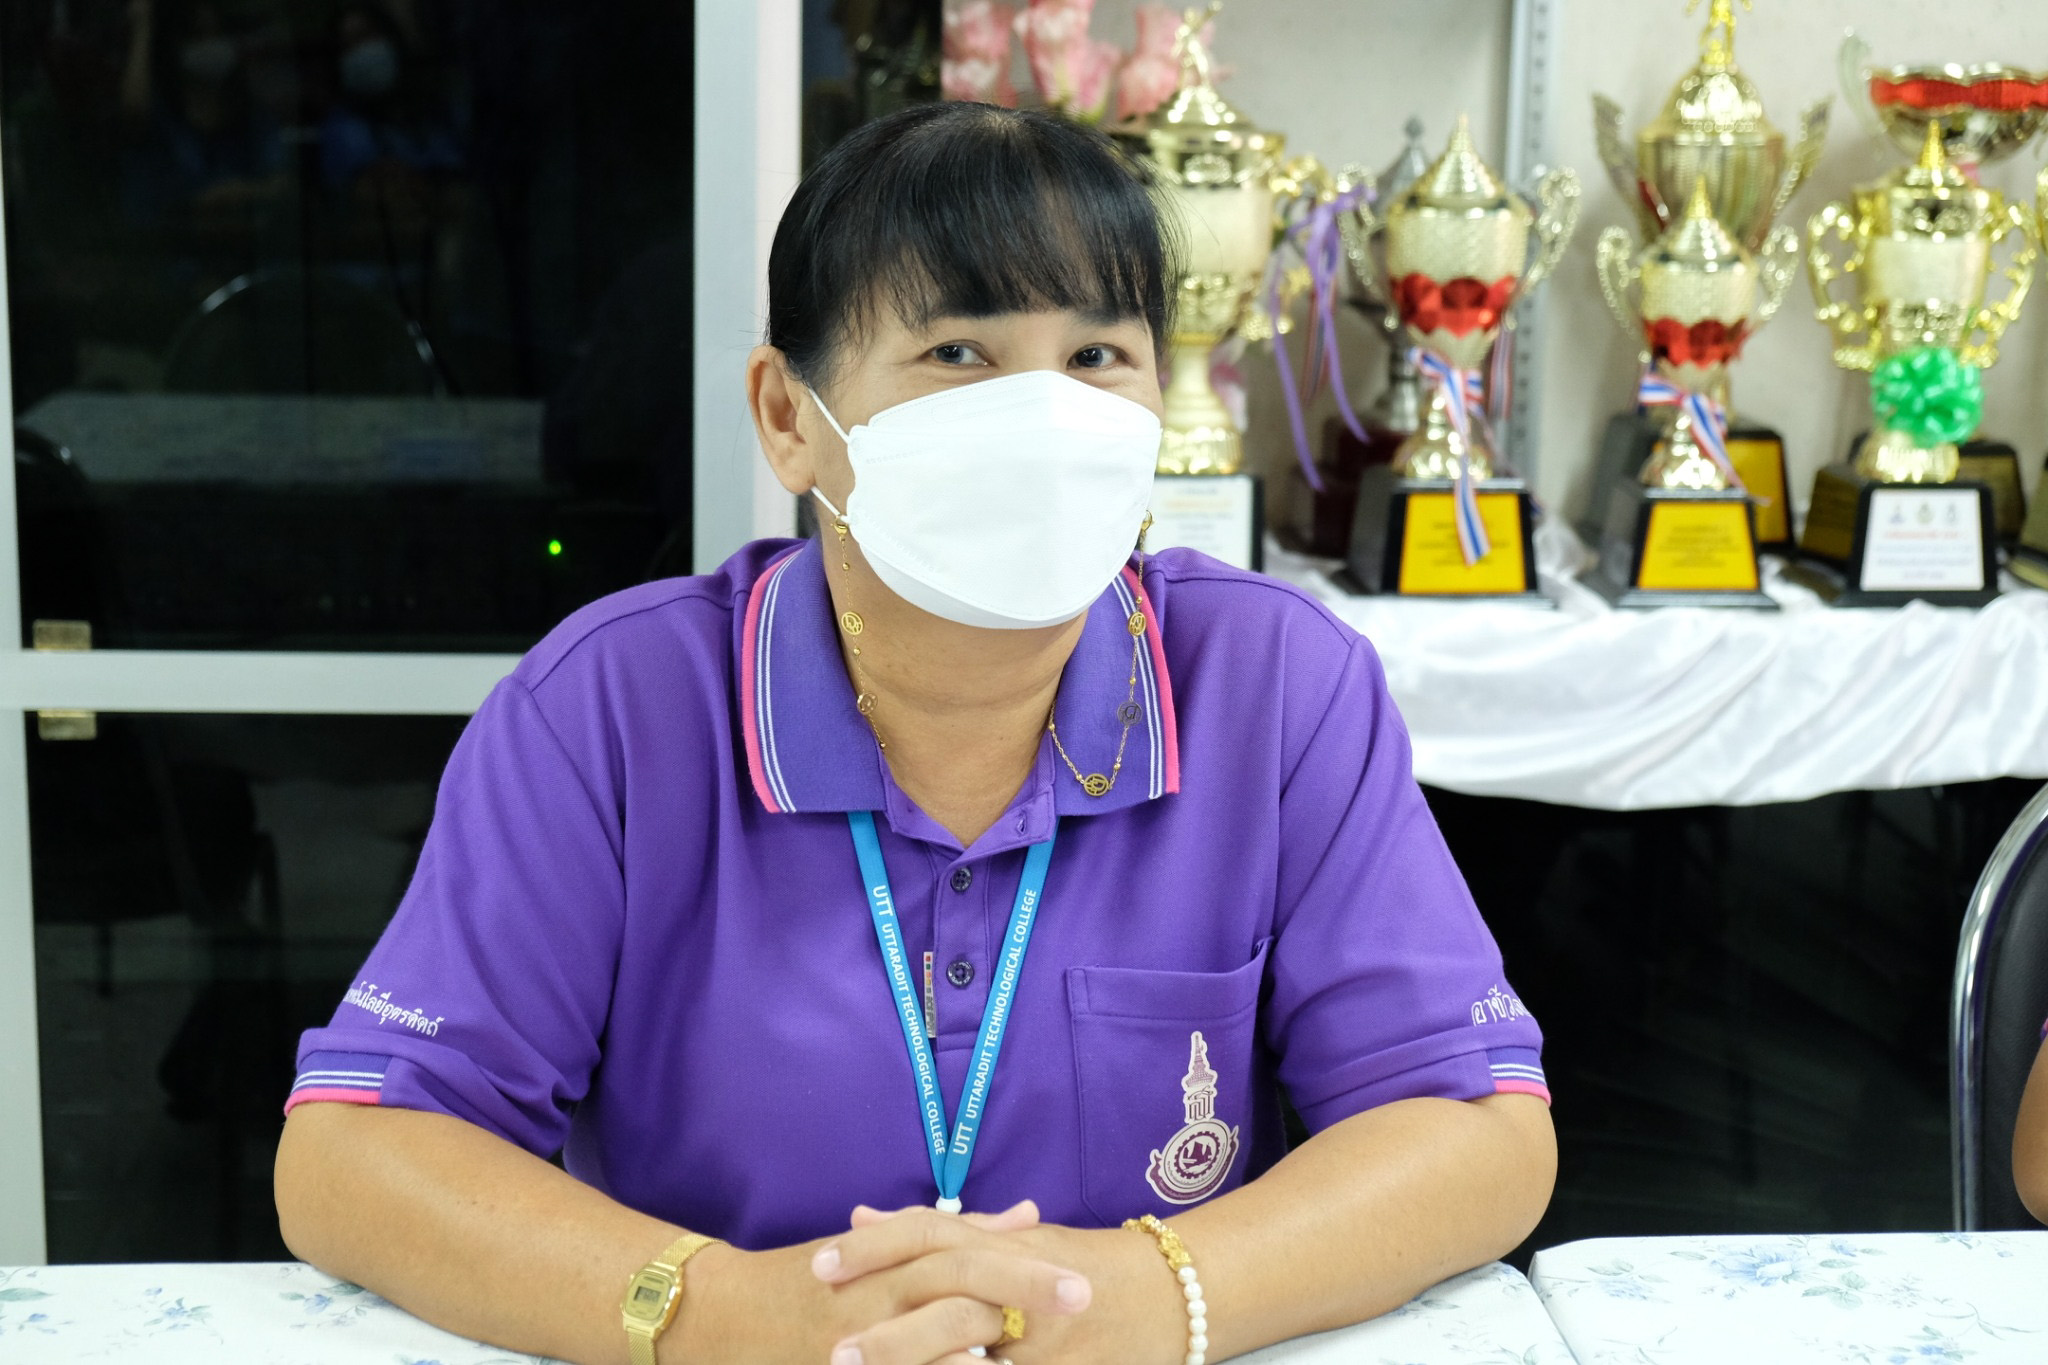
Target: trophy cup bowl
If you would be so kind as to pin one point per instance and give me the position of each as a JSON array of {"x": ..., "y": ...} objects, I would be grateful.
[
  {"x": 1920, "y": 244},
  {"x": 1713, "y": 126},
  {"x": 1458, "y": 258},
  {"x": 1984, "y": 112},
  {"x": 1693, "y": 297}
]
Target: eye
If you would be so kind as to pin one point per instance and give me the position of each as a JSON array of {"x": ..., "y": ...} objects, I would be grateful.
[
  {"x": 1096, "y": 357},
  {"x": 957, "y": 353}
]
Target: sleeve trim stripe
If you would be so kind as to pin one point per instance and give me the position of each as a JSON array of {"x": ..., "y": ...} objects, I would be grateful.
[
  {"x": 1508, "y": 1087},
  {"x": 1518, "y": 1071},
  {"x": 344, "y": 1095}
]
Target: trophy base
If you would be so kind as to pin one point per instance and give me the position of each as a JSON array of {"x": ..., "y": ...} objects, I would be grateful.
[
  {"x": 1404, "y": 540},
  {"x": 1679, "y": 547},
  {"x": 1758, "y": 454},
  {"x": 1221, "y": 515},
  {"x": 1870, "y": 544},
  {"x": 1322, "y": 525},
  {"x": 2029, "y": 561},
  {"x": 1996, "y": 465}
]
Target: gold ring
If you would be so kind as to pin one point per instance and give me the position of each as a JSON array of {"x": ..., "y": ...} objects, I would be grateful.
[{"x": 1013, "y": 1328}]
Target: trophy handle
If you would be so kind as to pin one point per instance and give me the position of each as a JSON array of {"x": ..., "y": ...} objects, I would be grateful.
[
  {"x": 1848, "y": 322},
  {"x": 1777, "y": 261},
  {"x": 1358, "y": 228},
  {"x": 1558, "y": 193},
  {"x": 1813, "y": 137},
  {"x": 1993, "y": 319},
  {"x": 1852, "y": 66},
  {"x": 1619, "y": 159},
  {"x": 1615, "y": 258}
]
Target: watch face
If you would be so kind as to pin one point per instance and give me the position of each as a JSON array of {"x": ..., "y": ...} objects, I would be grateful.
[{"x": 647, "y": 1296}]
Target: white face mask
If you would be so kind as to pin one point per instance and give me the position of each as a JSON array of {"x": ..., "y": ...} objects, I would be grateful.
[{"x": 1008, "y": 504}]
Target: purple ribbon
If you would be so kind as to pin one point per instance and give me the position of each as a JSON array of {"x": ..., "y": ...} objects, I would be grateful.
[
  {"x": 1709, "y": 421},
  {"x": 1314, "y": 235},
  {"x": 1464, "y": 395}
]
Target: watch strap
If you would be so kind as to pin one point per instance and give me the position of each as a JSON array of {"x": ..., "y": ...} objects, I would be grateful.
[{"x": 641, "y": 1333}]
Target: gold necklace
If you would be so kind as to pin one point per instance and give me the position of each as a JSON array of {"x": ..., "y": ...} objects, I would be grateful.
[{"x": 1095, "y": 784}]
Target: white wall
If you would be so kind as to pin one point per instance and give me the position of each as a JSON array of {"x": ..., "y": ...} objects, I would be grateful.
[{"x": 1340, "y": 76}]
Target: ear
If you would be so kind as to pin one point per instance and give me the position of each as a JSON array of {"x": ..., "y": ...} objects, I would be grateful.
[{"x": 777, "y": 398}]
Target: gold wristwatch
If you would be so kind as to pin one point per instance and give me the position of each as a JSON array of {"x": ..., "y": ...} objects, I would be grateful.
[{"x": 654, "y": 1293}]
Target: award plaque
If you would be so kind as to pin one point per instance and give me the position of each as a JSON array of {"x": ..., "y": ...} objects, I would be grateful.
[
  {"x": 1222, "y": 515},
  {"x": 1895, "y": 523},
  {"x": 1996, "y": 465},
  {"x": 1713, "y": 127},
  {"x": 1679, "y": 526},
  {"x": 1461, "y": 250}
]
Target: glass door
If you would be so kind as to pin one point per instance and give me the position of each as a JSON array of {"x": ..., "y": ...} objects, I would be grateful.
[{"x": 352, "y": 345}]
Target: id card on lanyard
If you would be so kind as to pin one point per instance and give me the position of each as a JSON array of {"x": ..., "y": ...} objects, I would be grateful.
[{"x": 951, "y": 1149}]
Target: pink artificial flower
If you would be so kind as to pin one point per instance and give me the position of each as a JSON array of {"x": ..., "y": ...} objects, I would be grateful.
[
  {"x": 1073, "y": 70},
  {"x": 976, "y": 61},
  {"x": 1157, "y": 26}
]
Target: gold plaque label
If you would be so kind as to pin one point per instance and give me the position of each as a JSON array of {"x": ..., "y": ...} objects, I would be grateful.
[
  {"x": 1698, "y": 547},
  {"x": 1761, "y": 465},
  {"x": 1432, "y": 563},
  {"x": 1831, "y": 516}
]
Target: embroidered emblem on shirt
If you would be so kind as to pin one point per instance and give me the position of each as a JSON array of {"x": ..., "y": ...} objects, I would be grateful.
[
  {"x": 364, "y": 996},
  {"x": 1194, "y": 1163},
  {"x": 1498, "y": 1005}
]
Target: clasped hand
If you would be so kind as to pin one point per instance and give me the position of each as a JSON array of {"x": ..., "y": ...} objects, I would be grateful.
[{"x": 920, "y": 1287}]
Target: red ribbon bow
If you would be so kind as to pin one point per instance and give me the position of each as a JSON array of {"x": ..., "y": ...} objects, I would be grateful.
[{"x": 1461, "y": 306}]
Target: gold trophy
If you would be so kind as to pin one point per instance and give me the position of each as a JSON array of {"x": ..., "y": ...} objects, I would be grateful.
[
  {"x": 1215, "y": 176},
  {"x": 1462, "y": 251},
  {"x": 1985, "y": 113},
  {"x": 1681, "y": 530},
  {"x": 1895, "y": 524},
  {"x": 1713, "y": 126}
]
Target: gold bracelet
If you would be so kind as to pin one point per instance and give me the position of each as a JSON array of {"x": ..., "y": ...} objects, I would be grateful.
[{"x": 1183, "y": 1267}]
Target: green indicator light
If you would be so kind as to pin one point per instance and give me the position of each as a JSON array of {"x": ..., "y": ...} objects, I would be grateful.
[{"x": 555, "y": 547}]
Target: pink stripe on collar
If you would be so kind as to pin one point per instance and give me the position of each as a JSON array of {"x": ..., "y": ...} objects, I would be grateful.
[
  {"x": 750, "y": 645},
  {"x": 1169, "y": 726}
]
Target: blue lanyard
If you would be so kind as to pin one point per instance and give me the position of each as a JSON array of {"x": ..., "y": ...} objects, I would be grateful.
[{"x": 952, "y": 1151}]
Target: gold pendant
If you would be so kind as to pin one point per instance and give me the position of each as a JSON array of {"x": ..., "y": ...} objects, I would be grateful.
[
  {"x": 850, "y": 622},
  {"x": 1095, "y": 784}
]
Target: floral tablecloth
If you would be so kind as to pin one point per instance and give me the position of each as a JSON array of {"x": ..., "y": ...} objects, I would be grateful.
[
  {"x": 1880, "y": 1299},
  {"x": 291, "y": 1314}
]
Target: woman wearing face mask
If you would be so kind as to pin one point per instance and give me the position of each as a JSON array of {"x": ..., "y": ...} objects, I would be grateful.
[
  {"x": 382, "y": 127},
  {"x": 910, "y": 907}
]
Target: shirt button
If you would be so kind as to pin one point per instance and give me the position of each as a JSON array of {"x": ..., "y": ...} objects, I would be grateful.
[
  {"x": 960, "y": 973},
  {"x": 962, "y": 878}
]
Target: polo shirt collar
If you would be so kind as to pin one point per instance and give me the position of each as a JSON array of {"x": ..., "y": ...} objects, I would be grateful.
[{"x": 808, "y": 749}]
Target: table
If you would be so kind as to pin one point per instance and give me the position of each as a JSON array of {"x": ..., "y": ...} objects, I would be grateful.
[
  {"x": 291, "y": 1314},
  {"x": 1588, "y": 706},
  {"x": 1880, "y": 1299}
]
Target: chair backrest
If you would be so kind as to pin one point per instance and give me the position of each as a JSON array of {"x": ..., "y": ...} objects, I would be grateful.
[{"x": 2000, "y": 1002}]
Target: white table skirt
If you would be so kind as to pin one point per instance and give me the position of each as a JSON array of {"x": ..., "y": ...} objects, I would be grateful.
[
  {"x": 1880, "y": 1299},
  {"x": 291, "y": 1314},
  {"x": 1632, "y": 710}
]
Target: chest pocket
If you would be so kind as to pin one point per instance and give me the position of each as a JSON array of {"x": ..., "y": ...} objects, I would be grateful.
[{"x": 1169, "y": 1084}]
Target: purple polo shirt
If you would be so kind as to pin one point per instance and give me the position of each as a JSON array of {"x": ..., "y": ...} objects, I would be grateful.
[{"x": 638, "y": 931}]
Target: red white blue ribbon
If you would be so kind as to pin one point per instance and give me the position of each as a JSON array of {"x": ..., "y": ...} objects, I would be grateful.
[
  {"x": 1709, "y": 420},
  {"x": 1464, "y": 394}
]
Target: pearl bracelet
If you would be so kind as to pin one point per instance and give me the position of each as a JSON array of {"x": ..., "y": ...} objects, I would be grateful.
[{"x": 1183, "y": 1267}]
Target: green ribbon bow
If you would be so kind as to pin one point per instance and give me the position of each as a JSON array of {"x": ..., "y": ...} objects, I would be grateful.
[{"x": 1929, "y": 394}]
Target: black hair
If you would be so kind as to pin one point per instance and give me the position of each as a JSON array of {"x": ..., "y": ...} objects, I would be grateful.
[{"x": 966, "y": 209}]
